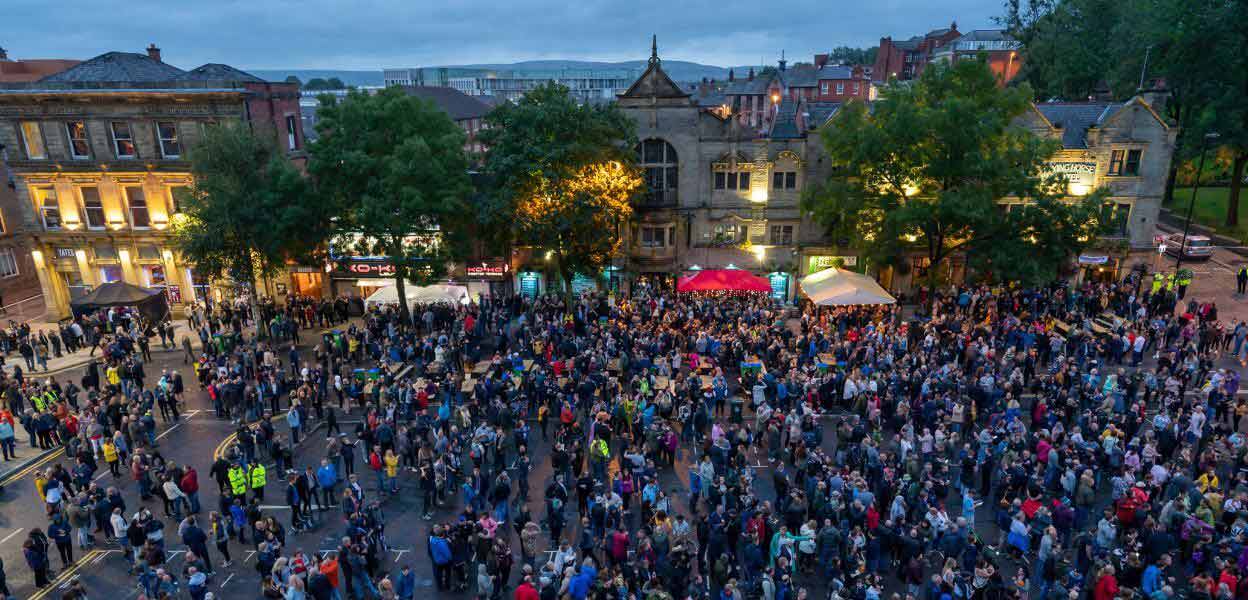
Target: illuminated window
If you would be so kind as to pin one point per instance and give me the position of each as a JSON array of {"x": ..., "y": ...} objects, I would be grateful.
[
  {"x": 169, "y": 146},
  {"x": 79, "y": 147},
  {"x": 137, "y": 201},
  {"x": 48, "y": 207},
  {"x": 154, "y": 275},
  {"x": 1125, "y": 163},
  {"x": 110, "y": 274},
  {"x": 92, "y": 207},
  {"x": 123, "y": 140},
  {"x": 32, "y": 137}
]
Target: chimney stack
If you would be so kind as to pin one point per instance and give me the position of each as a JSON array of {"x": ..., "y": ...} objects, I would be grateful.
[
  {"x": 821, "y": 60},
  {"x": 153, "y": 52}
]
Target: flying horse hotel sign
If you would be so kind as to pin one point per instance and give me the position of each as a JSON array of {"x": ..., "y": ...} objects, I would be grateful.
[{"x": 1080, "y": 175}]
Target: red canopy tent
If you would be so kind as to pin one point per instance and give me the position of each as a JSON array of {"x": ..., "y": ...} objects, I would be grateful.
[{"x": 723, "y": 280}]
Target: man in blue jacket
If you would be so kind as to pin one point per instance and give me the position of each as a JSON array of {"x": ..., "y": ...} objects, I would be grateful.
[
  {"x": 327, "y": 480},
  {"x": 440, "y": 556},
  {"x": 583, "y": 580},
  {"x": 405, "y": 583}
]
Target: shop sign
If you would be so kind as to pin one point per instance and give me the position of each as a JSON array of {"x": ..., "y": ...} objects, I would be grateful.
[
  {"x": 1080, "y": 175},
  {"x": 1093, "y": 259},
  {"x": 488, "y": 270},
  {"x": 779, "y": 286},
  {"x": 821, "y": 262},
  {"x": 64, "y": 252},
  {"x": 581, "y": 283},
  {"x": 364, "y": 270}
]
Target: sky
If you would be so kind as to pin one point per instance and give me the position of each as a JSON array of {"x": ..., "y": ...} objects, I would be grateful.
[{"x": 377, "y": 34}]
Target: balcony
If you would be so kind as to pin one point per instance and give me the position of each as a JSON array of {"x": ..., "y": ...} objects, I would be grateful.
[{"x": 656, "y": 199}]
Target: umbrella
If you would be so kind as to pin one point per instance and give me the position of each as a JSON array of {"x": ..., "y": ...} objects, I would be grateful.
[
  {"x": 723, "y": 280},
  {"x": 837, "y": 287}
]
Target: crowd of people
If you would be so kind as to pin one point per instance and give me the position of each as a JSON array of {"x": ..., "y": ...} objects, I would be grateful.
[{"x": 1059, "y": 442}]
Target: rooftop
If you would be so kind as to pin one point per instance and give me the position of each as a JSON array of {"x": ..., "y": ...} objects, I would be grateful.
[
  {"x": 457, "y": 104},
  {"x": 1074, "y": 119}
]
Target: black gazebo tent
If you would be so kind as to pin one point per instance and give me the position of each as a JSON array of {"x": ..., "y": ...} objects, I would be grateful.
[{"x": 118, "y": 293}]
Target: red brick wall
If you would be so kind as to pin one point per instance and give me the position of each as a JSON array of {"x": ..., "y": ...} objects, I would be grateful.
[{"x": 267, "y": 108}]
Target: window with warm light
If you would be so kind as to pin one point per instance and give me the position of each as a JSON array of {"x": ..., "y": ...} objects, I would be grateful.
[
  {"x": 139, "y": 216},
  {"x": 49, "y": 208},
  {"x": 1125, "y": 163},
  {"x": 32, "y": 138},
  {"x": 123, "y": 140},
  {"x": 79, "y": 146},
  {"x": 92, "y": 207}
]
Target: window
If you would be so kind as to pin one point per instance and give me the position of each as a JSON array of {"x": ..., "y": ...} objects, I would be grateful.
[
  {"x": 658, "y": 159},
  {"x": 110, "y": 274},
  {"x": 32, "y": 137},
  {"x": 853, "y": 88},
  {"x": 292, "y": 133},
  {"x": 653, "y": 237},
  {"x": 105, "y": 252},
  {"x": 78, "y": 146},
  {"x": 1132, "y": 167},
  {"x": 732, "y": 180},
  {"x": 123, "y": 141},
  {"x": 154, "y": 275},
  {"x": 720, "y": 180},
  {"x": 49, "y": 208},
  {"x": 92, "y": 207},
  {"x": 1118, "y": 216},
  {"x": 168, "y": 133},
  {"x": 823, "y": 88},
  {"x": 174, "y": 206},
  {"x": 1125, "y": 163},
  {"x": 728, "y": 233},
  {"x": 781, "y": 235},
  {"x": 8, "y": 263},
  {"x": 840, "y": 88},
  {"x": 149, "y": 252},
  {"x": 784, "y": 180},
  {"x": 137, "y": 201}
]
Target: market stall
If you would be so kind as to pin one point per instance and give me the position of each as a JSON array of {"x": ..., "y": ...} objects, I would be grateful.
[
  {"x": 723, "y": 280},
  {"x": 151, "y": 303},
  {"x": 445, "y": 293},
  {"x": 838, "y": 287}
]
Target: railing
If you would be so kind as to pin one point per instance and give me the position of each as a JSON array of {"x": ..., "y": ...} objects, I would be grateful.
[{"x": 24, "y": 310}]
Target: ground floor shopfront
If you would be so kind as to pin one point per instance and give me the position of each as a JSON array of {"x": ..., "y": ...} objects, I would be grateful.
[{"x": 69, "y": 266}]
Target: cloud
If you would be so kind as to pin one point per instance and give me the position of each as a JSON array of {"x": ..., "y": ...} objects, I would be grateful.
[{"x": 374, "y": 34}]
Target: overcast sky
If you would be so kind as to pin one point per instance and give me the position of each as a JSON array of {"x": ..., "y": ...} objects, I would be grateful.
[{"x": 375, "y": 34}]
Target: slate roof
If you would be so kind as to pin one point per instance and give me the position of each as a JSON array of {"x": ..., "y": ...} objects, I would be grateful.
[
  {"x": 117, "y": 66},
  {"x": 654, "y": 83},
  {"x": 747, "y": 87},
  {"x": 986, "y": 35},
  {"x": 785, "y": 124},
  {"x": 836, "y": 72},
  {"x": 458, "y": 105},
  {"x": 219, "y": 72},
  {"x": 1074, "y": 119},
  {"x": 800, "y": 76},
  {"x": 820, "y": 112}
]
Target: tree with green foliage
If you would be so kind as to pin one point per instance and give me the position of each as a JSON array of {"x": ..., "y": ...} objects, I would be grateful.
[
  {"x": 853, "y": 56},
  {"x": 927, "y": 168},
  {"x": 563, "y": 177},
  {"x": 247, "y": 211},
  {"x": 395, "y": 166},
  {"x": 316, "y": 83},
  {"x": 293, "y": 79}
]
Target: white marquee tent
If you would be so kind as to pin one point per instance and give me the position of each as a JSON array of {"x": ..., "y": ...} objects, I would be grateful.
[
  {"x": 418, "y": 295},
  {"x": 838, "y": 287}
]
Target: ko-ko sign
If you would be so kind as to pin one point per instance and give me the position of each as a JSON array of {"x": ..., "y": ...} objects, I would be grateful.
[
  {"x": 487, "y": 269},
  {"x": 364, "y": 270}
]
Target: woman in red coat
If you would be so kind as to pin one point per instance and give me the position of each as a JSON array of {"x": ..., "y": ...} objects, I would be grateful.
[{"x": 1106, "y": 585}]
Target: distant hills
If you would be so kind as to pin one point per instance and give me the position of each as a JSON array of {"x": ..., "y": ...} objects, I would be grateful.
[{"x": 676, "y": 69}]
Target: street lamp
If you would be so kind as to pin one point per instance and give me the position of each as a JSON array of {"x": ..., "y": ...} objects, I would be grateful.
[{"x": 1191, "y": 204}]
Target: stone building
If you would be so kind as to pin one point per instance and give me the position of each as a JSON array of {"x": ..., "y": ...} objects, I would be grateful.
[
  {"x": 96, "y": 153},
  {"x": 720, "y": 192}
]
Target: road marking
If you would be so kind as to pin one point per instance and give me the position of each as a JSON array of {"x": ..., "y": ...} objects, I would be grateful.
[
  {"x": 103, "y": 555},
  {"x": 399, "y": 554},
  {"x": 66, "y": 584},
  {"x": 173, "y": 554},
  {"x": 65, "y": 575},
  {"x": 250, "y": 553},
  {"x": 273, "y": 507},
  {"x": 227, "y": 580},
  {"x": 10, "y": 536},
  {"x": 28, "y": 470}
]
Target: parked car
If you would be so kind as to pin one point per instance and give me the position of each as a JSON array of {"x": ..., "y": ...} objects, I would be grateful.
[{"x": 1198, "y": 247}]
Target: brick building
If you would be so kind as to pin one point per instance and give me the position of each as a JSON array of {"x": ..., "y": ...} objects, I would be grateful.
[
  {"x": 33, "y": 69},
  {"x": 904, "y": 59},
  {"x": 1001, "y": 50},
  {"x": 96, "y": 153},
  {"x": 756, "y": 100},
  {"x": 468, "y": 112}
]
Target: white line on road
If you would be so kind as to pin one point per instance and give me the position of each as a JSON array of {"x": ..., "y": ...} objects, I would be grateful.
[
  {"x": 68, "y": 582},
  {"x": 399, "y": 554},
  {"x": 250, "y": 553},
  {"x": 10, "y": 536},
  {"x": 273, "y": 507},
  {"x": 227, "y": 580}
]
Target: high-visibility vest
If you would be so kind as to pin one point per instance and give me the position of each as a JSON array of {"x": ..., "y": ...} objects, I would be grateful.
[
  {"x": 50, "y": 399},
  {"x": 238, "y": 480},
  {"x": 257, "y": 476},
  {"x": 37, "y": 400}
]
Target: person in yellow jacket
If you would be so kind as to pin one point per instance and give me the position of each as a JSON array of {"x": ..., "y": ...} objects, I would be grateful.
[
  {"x": 392, "y": 471},
  {"x": 110, "y": 457},
  {"x": 238, "y": 481},
  {"x": 256, "y": 474},
  {"x": 113, "y": 377}
]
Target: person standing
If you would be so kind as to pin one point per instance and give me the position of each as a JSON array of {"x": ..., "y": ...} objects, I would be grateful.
[
  {"x": 1241, "y": 279},
  {"x": 35, "y": 550}
]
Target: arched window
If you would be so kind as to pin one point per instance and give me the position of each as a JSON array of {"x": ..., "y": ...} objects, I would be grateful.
[{"x": 658, "y": 158}]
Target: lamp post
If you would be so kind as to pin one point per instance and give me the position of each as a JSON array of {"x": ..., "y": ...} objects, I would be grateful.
[{"x": 1191, "y": 204}]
